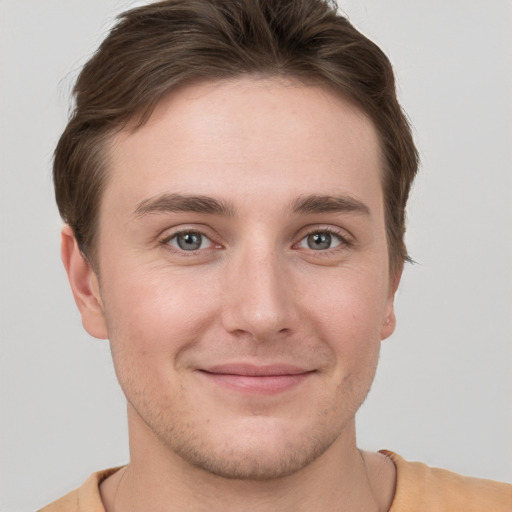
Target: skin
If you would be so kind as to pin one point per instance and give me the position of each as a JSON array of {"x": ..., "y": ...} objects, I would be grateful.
[{"x": 276, "y": 285}]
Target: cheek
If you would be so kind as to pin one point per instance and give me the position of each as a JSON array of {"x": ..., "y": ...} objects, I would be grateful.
[
  {"x": 348, "y": 316},
  {"x": 352, "y": 303},
  {"x": 154, "y": 307},
  {"x": 346, "y": 321},
  {"x": 151, "y": 320}
]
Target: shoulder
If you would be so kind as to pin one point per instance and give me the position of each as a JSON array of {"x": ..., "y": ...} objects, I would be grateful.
[
  {"x": 68, "y": 503},
  {"x": 425, "y": 489},
  {"x": 86, "y": 498}
]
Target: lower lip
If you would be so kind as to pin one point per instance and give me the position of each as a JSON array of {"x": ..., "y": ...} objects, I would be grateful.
[{"x": 263, "y": 384}]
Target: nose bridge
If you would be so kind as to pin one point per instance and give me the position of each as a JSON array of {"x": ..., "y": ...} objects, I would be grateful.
[{"x": 258, "y": 299}]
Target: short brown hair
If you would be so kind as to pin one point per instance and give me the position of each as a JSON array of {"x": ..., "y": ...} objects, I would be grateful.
[{"x": 155, "y": 48}]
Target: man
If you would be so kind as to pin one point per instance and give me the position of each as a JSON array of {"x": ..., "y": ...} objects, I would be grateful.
[{"x": 234, "y": 181}]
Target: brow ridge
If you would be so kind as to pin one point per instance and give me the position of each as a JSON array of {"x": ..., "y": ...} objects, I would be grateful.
[
  {"x": 318, "y": 203},
  {"x": 315, "y": 203},
  {"x": 175, "y": 203}
]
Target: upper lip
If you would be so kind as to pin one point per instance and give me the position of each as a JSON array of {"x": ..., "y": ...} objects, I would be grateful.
[{"x": 251, "y": 370}]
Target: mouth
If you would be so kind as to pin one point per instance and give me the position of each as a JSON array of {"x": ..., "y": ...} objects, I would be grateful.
[{"x": 254, "y": 379}]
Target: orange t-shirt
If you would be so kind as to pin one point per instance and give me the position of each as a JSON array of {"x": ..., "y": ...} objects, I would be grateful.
[{"x": 419, "y": 488}]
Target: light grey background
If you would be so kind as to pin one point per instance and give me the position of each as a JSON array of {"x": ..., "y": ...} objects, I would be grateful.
[{"x": 443, "y": 391}]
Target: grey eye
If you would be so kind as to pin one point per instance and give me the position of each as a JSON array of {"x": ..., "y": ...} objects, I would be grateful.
[
  {"x": 320, "y": 241},
  {"x": 190, "y": 241}
]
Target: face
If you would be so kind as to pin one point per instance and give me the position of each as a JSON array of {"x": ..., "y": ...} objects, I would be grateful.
[{"x": 243, "y": 274}]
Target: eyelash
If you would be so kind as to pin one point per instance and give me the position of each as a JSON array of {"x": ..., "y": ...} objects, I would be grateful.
[
  {"x": 344, "y": 241},
  {"x": 165, "y": 242}
]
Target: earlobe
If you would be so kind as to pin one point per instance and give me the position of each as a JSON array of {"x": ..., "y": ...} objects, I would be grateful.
[
  {"x": 84, "y": 285},
  {"x": 389, "y": 322}
]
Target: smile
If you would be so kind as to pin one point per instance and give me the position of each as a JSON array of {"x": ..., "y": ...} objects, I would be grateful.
[{"x": 257, "y": 379}]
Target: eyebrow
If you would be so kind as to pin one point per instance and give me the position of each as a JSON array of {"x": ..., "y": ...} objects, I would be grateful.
[
  {"x": 179, "y": 203},
  {"x": 327, "y": 203},
  {"x": 184, "y": 203}
]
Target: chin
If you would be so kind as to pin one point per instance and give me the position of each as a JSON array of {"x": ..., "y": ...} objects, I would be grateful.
[
  {"x": 255, "y": 449},
  {"x": 253, "y": 463}
]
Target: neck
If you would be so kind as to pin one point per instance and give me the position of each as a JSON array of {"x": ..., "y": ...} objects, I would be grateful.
[{"x": 342, "y": 478}]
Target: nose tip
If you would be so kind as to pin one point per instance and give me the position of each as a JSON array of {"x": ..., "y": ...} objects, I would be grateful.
[
  {"x": 261, "y": 324},
  {"x": 259, "y": 301}
]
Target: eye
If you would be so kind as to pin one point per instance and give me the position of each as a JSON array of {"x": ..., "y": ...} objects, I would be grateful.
[
  {"x": 190, "y": 241},
  {"x": 320, "y": 241}
]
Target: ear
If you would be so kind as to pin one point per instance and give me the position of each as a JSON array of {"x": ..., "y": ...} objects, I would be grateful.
[
  {"x": 84, "y": 285},
  {"x": 389, "y": 322}
]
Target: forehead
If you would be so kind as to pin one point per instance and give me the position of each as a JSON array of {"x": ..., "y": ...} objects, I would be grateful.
[{"x": 283, "y": 135}]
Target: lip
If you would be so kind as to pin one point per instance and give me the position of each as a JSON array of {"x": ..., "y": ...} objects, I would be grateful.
[{"x": 265, "y": 379}]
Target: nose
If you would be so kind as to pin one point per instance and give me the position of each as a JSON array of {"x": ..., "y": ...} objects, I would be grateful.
[{"x": 259, "y": 300}]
